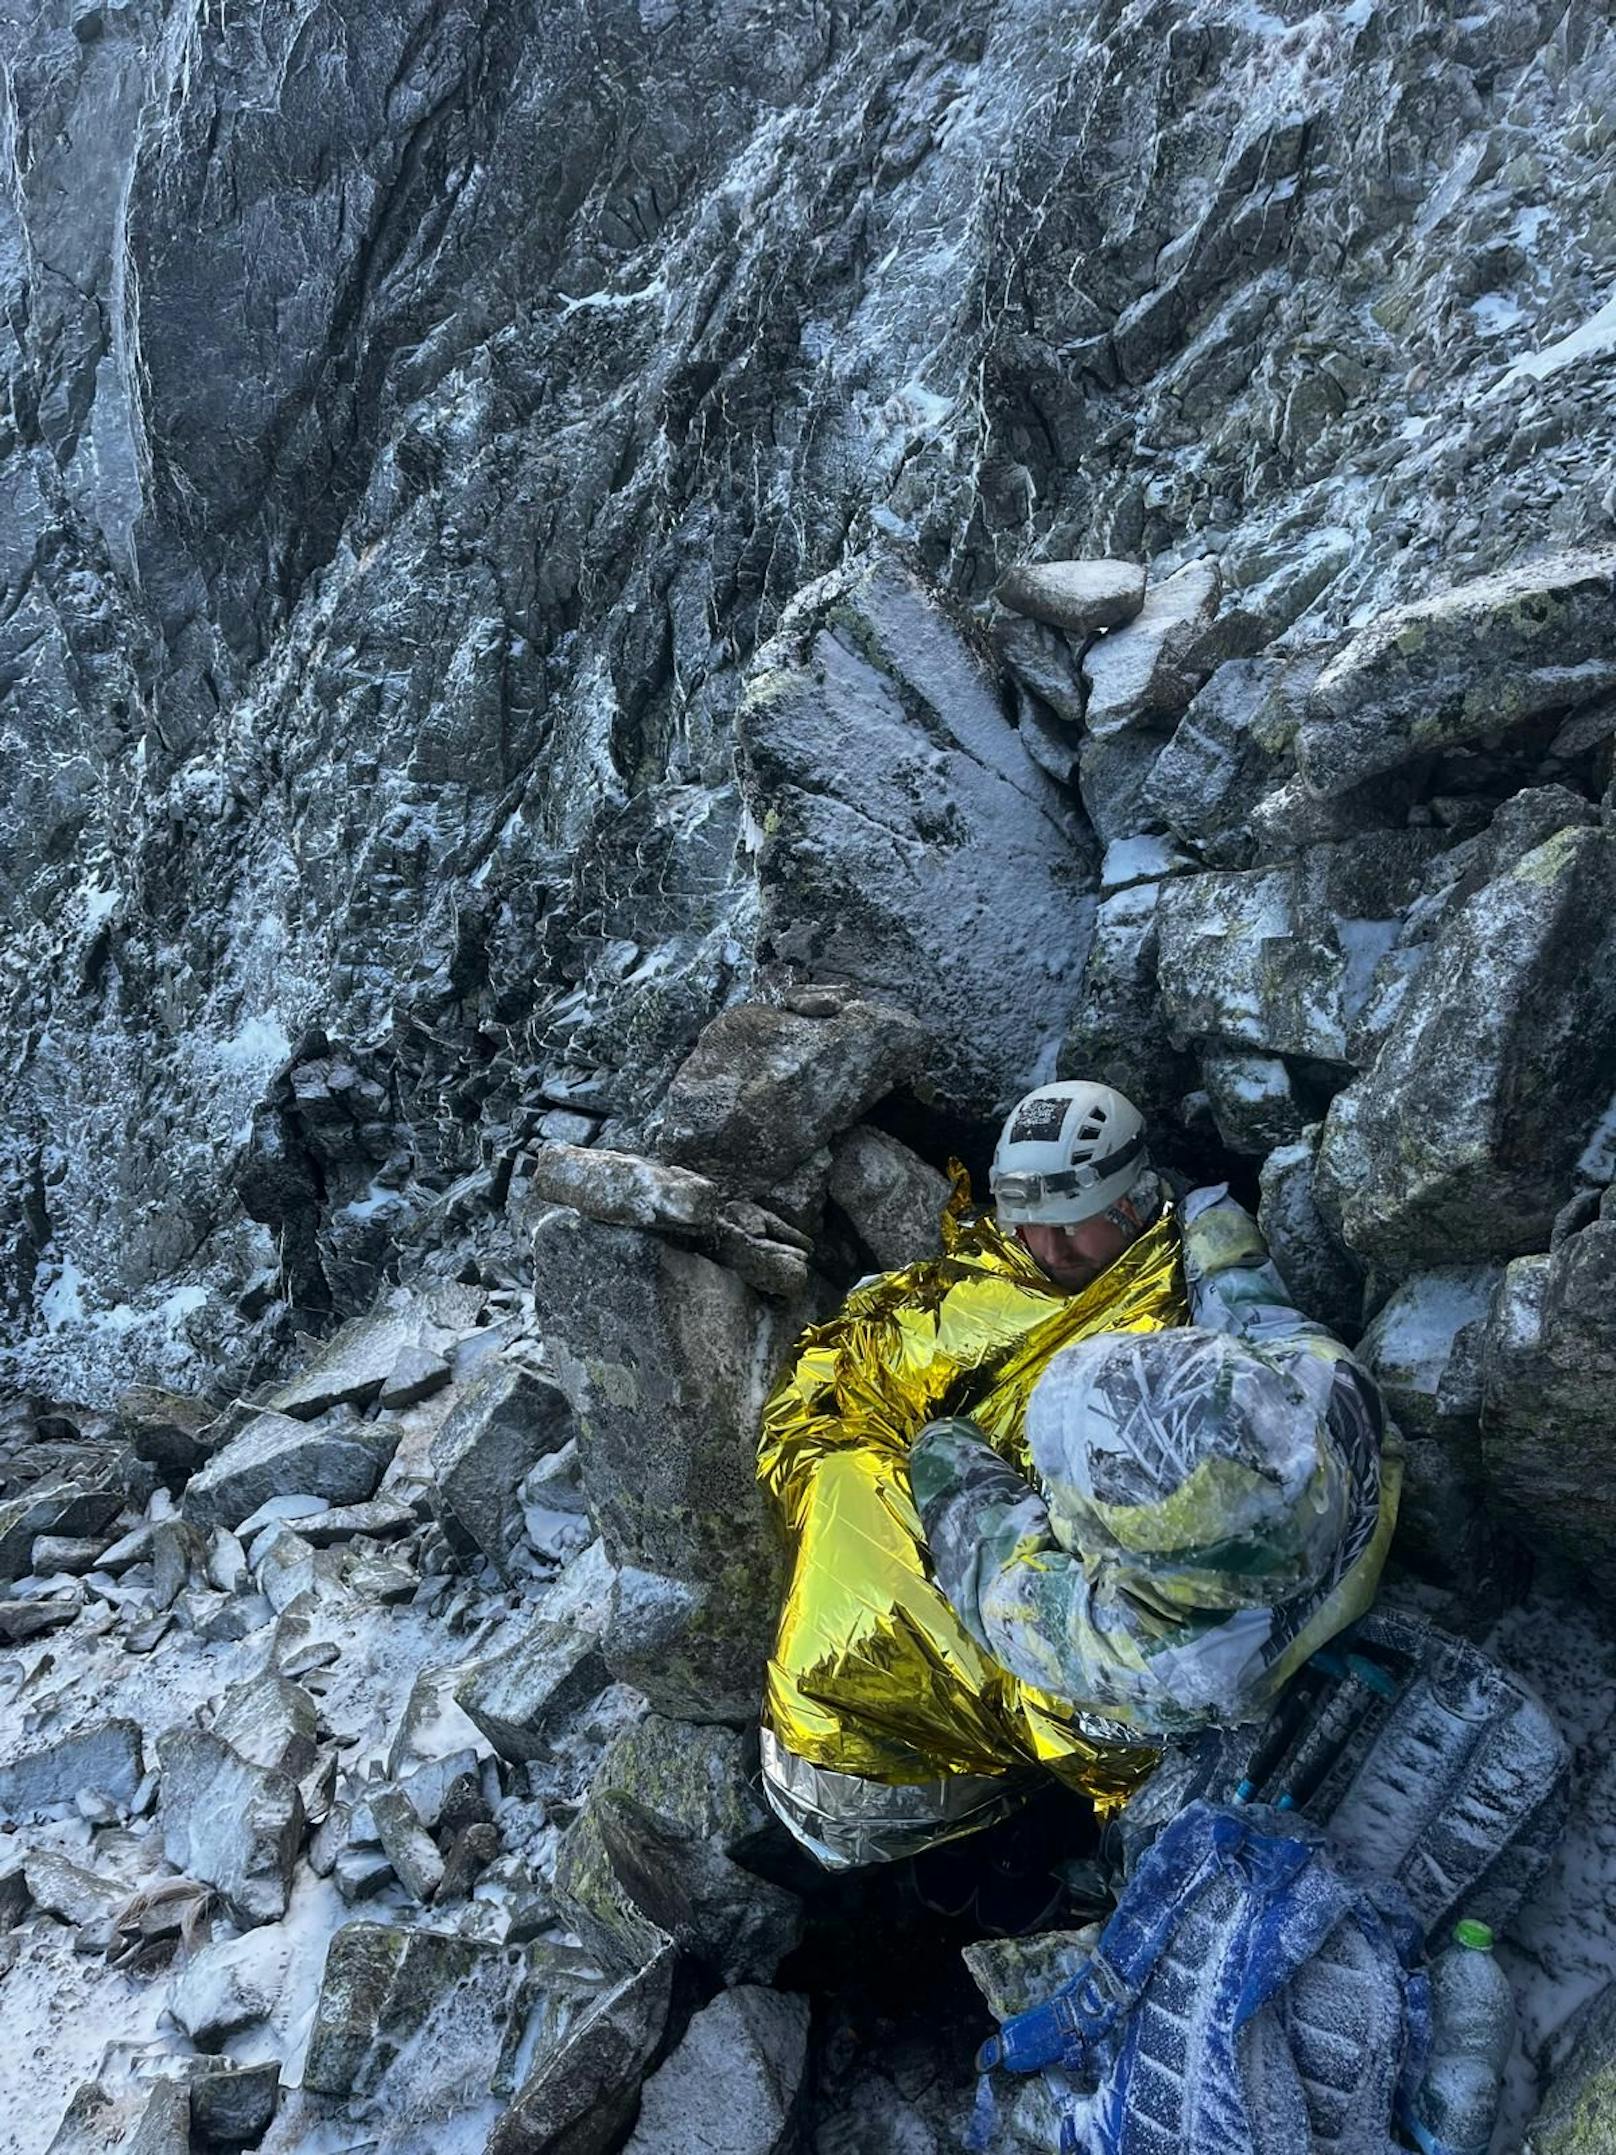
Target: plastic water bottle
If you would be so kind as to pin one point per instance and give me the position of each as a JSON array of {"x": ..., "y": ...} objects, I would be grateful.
[{"x": 1472, "y": 2033}]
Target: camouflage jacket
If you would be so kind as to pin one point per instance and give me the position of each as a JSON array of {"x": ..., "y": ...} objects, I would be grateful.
[{"x": 1126, "y": 1643}]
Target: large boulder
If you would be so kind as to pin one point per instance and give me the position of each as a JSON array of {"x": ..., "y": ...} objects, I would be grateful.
[
  {"x": 1548, "y": 1432},
  {"x": 338, "y": 1458},
  {"x": 764, "y": 1088},
  {"x": 1228, "y": 750},
  {"x": 893, "y": 1199},
  {"x": 904, "y": 834},
  {"x": 501, "y": 1425},
  {"x": 655, "y": 1852},
  {"x": 1473, "y": 661},
  {"x": 1080, "y": 597},
  {"x": 1280, "y": 960},
  {"x": 1152, "y": 665},
  {"x": 736, "y": 2085},
  {"x": 230, "y": 1823},
  {"x": 1461, "y": 1141},
  {"x": 666, "y": 1358},
  {"x": 350, "y": 1368}
]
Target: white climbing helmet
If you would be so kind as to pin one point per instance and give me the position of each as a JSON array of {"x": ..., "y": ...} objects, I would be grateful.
[{"x": 1067, "y": 1152}]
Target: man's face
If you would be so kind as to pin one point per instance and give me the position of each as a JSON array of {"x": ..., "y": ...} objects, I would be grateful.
[{"x": 1074, "y": 1255}]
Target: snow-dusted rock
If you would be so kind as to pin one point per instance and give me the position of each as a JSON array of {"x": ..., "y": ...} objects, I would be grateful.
[
  {"x": 1548, "y": 1433},
  {"x": 654, "y": 1852},
  {"x": 1462, "y": 1140},
  {"x": 1423, "y": 1350},
  {"x": 339, "y": 1459},
  {"x": 1280, "y": 960},
  {"x": 105, "y": 1758},
  {"x": 1252, "y": 1099},
  {"x": 1579, "y": 2102},
  {"x": 892, "y": 1197},
  {"x": 585, "y": 2080},
  {"x": 1118, "y": 1035},
  {"x": 129, "y": 2117},
  {"x": 1049, "y": 671},
  {"x": 665, "y": 1357},
  {"x": 1152, "y": 666},
  {"x": 904, "y": 835},
  {"x": 1478, "y": 659},
  {"x": 411, "y": 2024},
  {"x": 230, "y": 1985},
  {"x": 621, "y": 1189},
  {"x": 232, "y": 1824},
  {"x": 1226, "y": 752},
  {"x": 57, "y": 1504},
  {"x": 1325, "y": 1279},
  {"x": 169, "y": 1431},
  {"x": 270, "y": 1722},
  {"x": 416, "y": 1375},
  {"x": 764, "y": 1088},
  {"x": 350, "y": 1368},
  {"x": 554, "y": 1663},
  {"x": 501, "y": 1424},
  {"x": 1077, "y": 596},
  {"x": 735, "y": 2084}
]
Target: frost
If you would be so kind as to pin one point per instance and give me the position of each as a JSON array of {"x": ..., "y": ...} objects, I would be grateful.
[
  {"x": 1598, "y": 1162},
  {"x": 63, "y": 1300},
  {"x": 260, "y": 1045},
  {"x": 1494, "y": 314},
  {"x": 1595, "y": 338}
]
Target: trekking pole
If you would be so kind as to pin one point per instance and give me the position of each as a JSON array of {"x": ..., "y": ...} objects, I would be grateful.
[{"x": 1360, "y": 1686}]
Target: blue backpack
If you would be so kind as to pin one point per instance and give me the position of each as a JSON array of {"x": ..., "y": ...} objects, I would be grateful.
[{"x": 1246, "y": 1998}]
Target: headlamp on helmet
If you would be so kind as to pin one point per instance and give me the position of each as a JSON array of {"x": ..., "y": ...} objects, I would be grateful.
[{"x": 1067, "y": 1152}]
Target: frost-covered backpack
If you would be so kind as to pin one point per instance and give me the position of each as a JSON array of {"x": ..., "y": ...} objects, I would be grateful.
[{"x": 1245, "y": 1998}]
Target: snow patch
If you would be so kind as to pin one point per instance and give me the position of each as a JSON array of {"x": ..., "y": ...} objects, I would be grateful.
[{"x": 1595, "y": 338}]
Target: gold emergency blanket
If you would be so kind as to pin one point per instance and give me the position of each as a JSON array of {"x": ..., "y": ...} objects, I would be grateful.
[{"x": 872, "y": 1672}]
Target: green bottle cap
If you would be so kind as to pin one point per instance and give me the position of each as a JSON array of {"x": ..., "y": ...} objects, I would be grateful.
[{"x": 1477, "y": 1936}]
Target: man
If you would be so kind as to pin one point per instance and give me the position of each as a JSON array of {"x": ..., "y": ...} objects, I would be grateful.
[{"x": 899, "y": 1710}]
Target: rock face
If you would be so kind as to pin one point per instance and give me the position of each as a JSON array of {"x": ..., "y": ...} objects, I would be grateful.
[
  {"x": 1462, "y": 1139},
  {"x": 487, "y": 852},
  {"x": 410, "y": 2020},
  {"x": 733, "y": 2085},
  {"x": 906, "y": 835},
  {"x": 1548, "y": 1426},
  {"x": 1478, "y": 660},
  {"x": 664, "y": 1356}
]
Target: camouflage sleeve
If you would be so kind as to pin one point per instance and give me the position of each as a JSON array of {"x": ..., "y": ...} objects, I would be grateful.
[
  {"x": 1035, "y": 1607},
  {"x": 1234, "y": 1284},
  {"x": 977, "y": 1512}
]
